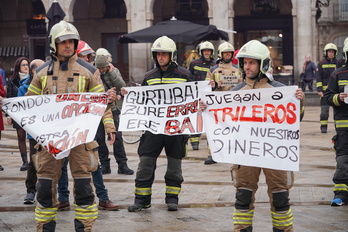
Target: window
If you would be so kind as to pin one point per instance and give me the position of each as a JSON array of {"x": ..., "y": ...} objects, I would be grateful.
[
  {"x": 273, "y": 39},
  {"x": 343, "y": 10},
  {"x": 114, "y": 9},
  {"x": 190, "y": 8},
  {"x": 264, "y": 7}
]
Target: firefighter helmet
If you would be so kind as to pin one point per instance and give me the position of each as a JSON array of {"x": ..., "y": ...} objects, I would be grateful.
[
  {"x": 164, "y": 44},
  {"x": 206, "y": 45},
  {"x": 330, "y": 46},
  {"x": 84, "y": 49},
  {"x": 254, "y": 49},
  {"x": 225, "y": 47},
  {"x": 60, "y": 32},
  {"x": 345, "y": 53},
  {"x": 345, "y": 41}
]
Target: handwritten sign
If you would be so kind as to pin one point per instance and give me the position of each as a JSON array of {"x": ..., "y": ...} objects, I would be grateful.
[
  {"x": 169, "y": 109},
  {"x": 257, "y": 127},
  {"x": 231, "y": 78},
  {"x": 58, "y": 122}
]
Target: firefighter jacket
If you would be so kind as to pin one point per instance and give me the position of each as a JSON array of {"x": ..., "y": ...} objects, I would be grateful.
[
  {"x": 338, "y": 80},
  {"x": 72, "y": 76},
  {"x": 324, "y": 69},
  {"x": 113, "y": 79},
  {"x": 199, "y": 68},
  {"x": 264, "y": 82},
  {"x": 226, "y": 73},
  {"x": 341, "y": 63},
  {"x": 173, "y": 74}
]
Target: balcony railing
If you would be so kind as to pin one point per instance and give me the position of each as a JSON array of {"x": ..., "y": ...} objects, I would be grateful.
[{"x": 340, "y": 12}]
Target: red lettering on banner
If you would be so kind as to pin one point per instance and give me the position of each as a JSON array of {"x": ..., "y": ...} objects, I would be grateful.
[
  {"x": 259, "y": 113},
  {"x": 175, "y": 127},
  {"x": 76, "y": 109},
  {"x": 92, "y": 98},
  {"x": 174, "y": 111}
]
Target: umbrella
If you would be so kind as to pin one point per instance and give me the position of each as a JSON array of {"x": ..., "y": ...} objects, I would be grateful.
[
  {"x": 178, "y": 30},
  {"x": 55, "y": 14}
]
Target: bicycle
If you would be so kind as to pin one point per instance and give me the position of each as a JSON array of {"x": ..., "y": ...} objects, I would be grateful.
[{"x": 131, "y": 137}]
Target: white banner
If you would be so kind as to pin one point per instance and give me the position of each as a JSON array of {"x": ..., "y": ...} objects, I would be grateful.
[
  {"x": 169, "y": 109},
  {"x": 256, "y": 127},
  {"x": 58, "y": 122}
]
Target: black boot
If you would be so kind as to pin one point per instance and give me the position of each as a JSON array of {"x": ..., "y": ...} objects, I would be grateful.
[
  {"x": 323, "y": 128},
  {"x": 24, "y": 166},
  {"x": 277, "y": 230},
  {"x": 209, "y": 160},
  {"x": 48, "y": 227},
  {"x": 248, "y": 229},
  {"x": 106, "y": 169},
  {"x": 124, "y": 169}
]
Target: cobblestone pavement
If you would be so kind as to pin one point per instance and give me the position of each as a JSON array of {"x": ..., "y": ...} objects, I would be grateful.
[{"x": 206, "y": 200}]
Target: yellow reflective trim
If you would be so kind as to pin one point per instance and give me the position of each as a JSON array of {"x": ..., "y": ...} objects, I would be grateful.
[
  {"x": 154, "y": 81},
  {"x": 173, "y": 80},
  {"x": 328, "y": 66},
  {"x": 340, "y": 187},
  {"x": 143, "y": 191},
  {"x": 43, "y": 83},
  {"x": 325, "y": 87},
  {"x": 343, "y": 82},
  {"x": 173, "y": 190},
  {"x": 335, "y": 99},
  {"x": 88, "y": 208},
  {"x": 319, "y": 84},
  {"x": 98, "y": 89},
  {"x": 341, "y": 123},
  {"x": 194, "y": 139},
  {"x": 201, "y": 68},
  {"x": 82, "y": 84},
  {"x": 35, "y": 90},
  {"x": 108, "y": 120}
]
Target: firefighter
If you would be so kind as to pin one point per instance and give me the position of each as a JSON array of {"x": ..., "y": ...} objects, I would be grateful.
[
  {"x": 224, "y": 75},
  {"x": 342, "y": 62},
  {"x": 324, "y": 69},
  {"x": 84, "y": 51},
  {"x": 65, "y": 73},
  {"x": 254, "y": 62},
  {"x": 335, "y": 96},
  {"x": 199, "y": 69},
  {"x": 166, "y": 71}
]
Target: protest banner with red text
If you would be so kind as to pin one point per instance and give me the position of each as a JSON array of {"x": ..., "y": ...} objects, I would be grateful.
[
  {"x": 58, "y": 122},
  {"x": 170, "y": 109},
  {"x": 255, "y": 127}
]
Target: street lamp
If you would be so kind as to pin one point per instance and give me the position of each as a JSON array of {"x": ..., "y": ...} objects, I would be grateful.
[
  {"x": 318, "y": 4},
  {"x": 322, "y": 3}
]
